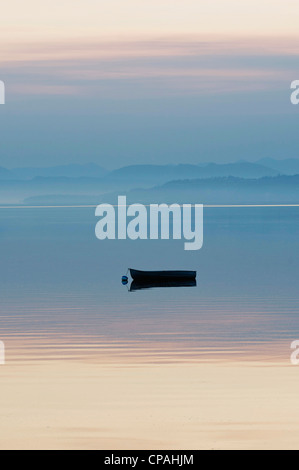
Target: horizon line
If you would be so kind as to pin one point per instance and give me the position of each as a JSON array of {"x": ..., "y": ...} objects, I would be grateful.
[{"x": 91, "y": 206}]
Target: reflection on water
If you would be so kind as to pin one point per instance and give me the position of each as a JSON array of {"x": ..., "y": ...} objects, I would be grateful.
[
  {"x": 141, "y": 285},
  {"x": 61, "y": 294}
]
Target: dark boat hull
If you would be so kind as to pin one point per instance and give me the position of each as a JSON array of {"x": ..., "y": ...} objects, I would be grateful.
[{"x": 158, "y": 276}]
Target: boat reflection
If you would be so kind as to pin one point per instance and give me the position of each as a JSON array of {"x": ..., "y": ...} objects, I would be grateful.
[{"x": 141, "y": 285}]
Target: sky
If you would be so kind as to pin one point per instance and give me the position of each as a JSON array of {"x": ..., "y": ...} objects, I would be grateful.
[{"x": 144, "y": 81}]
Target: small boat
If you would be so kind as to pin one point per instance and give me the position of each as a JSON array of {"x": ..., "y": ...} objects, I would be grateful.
[
  {"x": 141, "y": 285},
  {"x": 158, "y": 276}
]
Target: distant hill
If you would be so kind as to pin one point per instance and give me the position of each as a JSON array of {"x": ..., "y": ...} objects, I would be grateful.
[
  {"x": 142, "y": 174},
  {"x": 71, "y": 180},
  {"x": 17, "y": 191},
  {"x": 70, "y": 171},
  {"x": 289, "y": 166},
  {"x": 148, "y": 175},
  {"x": 91, "y": 180},
  {"x": 223, "y": 190},
  {"x": 64, "y": 199},
  {"x": 158, "y": 174}
]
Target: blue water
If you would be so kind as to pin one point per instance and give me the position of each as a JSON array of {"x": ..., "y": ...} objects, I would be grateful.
[{"x": 61, "y": 287}]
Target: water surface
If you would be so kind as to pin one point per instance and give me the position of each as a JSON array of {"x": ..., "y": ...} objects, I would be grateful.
[{"x": 61, "y": 291}]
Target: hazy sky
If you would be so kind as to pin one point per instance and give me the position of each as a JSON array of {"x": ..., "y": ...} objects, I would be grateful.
[
  {"x": 92, "y": 18},
  {"x": 133, "y": 81}
]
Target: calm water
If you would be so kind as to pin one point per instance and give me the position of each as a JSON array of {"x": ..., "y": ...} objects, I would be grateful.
[{"x": 61, "y": 294}]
